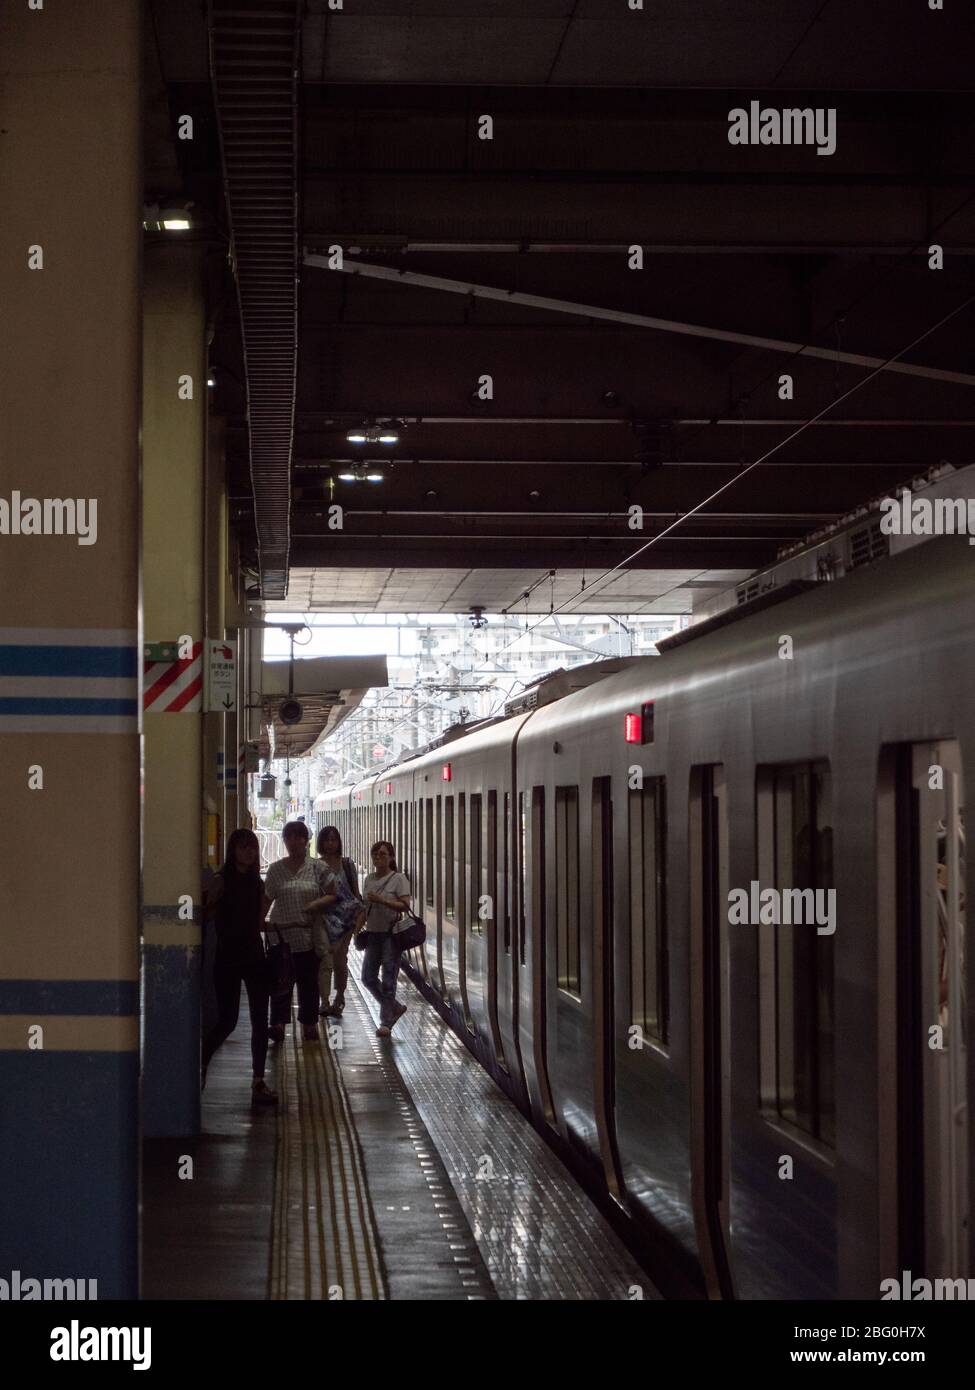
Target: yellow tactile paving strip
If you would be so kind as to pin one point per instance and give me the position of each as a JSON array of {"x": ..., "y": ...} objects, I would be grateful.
[{"x": 324, "y": 1242}]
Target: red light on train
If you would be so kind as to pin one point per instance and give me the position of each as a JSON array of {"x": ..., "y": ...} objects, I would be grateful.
[
  {"x": 445, "y": 773},
  {"x": 638, "y": 728},
  {"x": 389, "y": 788}
]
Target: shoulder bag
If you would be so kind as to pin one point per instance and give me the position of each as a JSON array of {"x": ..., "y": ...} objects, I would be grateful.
[
  {"x": 280, "y": 968},
  {"x": 362, "y": 936},
  {"x": 412, "y": 935}
]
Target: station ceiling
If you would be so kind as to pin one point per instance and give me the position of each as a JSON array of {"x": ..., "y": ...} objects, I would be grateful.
[{"x": 609, "y": 131}]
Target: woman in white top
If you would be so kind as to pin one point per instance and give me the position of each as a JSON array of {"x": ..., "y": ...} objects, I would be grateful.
[
  {"x": 387, "y": 896},
  {"x": 296, "y": 889}
]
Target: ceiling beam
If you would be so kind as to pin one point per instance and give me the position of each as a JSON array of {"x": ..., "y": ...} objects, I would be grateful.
[
  {"x": 353, "y": 266},
  {"x": 310, "y": 551}
]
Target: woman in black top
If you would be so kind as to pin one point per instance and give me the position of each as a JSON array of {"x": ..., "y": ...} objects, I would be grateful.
[{"x": 236, "y": 899}]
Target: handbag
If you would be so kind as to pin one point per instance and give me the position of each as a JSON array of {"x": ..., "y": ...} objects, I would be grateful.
[
  {"x": 362, "y": 936},
  {"x": 412, "y": 935},
  {"x": 280, "y": 970}
]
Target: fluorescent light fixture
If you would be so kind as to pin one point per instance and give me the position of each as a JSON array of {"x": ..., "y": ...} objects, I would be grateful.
[
  {"x": 374, "y": 477},
  {"x": 346, "y": 477},
  {"x": 173, "y": 218},
  {"x": 372, "y": 434}
]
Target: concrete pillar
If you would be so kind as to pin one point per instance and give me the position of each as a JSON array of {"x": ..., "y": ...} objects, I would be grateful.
[
  {"x": 70, "y": 246},
  {"x": 173, "y": 465}
]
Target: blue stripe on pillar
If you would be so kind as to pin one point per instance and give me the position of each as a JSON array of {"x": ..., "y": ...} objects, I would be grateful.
[
  {"x": 22, "y": 705},
  {"x": 171, "y": 1064},
  {"x": 67, "y": 661},
  {"x": 69, "y": 996},
  {"x": 69, "y": 1191}
]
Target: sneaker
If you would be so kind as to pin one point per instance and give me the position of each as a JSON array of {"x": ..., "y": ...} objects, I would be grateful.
[
  {"x": 400, "y": 1011},
  {"x": 276, "y": 1032},
  {"x": 382, "y": 1031},
  {"x": 309, "y": 1032},
  {"x": 330, "y": 1011},
  {"x": 262, "y": 1094}
]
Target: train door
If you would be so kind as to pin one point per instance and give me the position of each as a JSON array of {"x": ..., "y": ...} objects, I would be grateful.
[
  {"x": 537, "y": 892},
  {"x": 421, "y": 879},
  {"x": 430, "y": 896},
  {"x": 922, "y": 889},
  {"x": 603, "y": 983},
  {"x": 463, "y": 858},
  {"x": 494, "y": 920},
  {"x": 507, "y": 936},
  {"x": 709, "y": 1023},
  {"x": 439, "y": 884}
]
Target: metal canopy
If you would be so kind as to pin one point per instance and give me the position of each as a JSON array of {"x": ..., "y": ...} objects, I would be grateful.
[{"x": 613, "y": 386}]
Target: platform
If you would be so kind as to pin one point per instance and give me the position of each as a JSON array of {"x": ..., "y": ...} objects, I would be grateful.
[{"x": 393, "y": 1169}]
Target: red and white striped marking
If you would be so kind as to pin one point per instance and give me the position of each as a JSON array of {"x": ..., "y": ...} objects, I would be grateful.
[{"x": 174, "y": 687}]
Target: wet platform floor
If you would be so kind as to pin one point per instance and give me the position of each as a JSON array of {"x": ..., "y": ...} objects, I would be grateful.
[{"x": 396, "y": 1169}]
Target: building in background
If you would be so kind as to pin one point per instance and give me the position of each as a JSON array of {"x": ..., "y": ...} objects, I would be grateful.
[{"x": 442, "y": 671}]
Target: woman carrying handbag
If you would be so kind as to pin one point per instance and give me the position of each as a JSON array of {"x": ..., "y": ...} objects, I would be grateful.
[
  {"x": 334, "y": 926},
  {"x": 296, "y": 889},
  {"x": 387, "y": 898}
]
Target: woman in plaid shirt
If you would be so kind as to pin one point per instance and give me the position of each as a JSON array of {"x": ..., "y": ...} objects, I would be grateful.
[{"x": 296, "y": 889}]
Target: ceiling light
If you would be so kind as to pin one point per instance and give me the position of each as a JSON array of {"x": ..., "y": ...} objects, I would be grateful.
[
  {"x": 374, "y": 477},
  {"x": 173, "y": 217},
  {"x": 372, "y": 434},
  {"x": 347, "y": 478}
]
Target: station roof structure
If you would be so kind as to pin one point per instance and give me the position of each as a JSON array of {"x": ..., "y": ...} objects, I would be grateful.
[
  {"x": 464, "y": 258},
  {"x": 323, "y": 692}
]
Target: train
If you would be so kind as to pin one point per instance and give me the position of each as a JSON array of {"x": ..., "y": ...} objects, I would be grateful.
[{"x": 772, "y": 1109}]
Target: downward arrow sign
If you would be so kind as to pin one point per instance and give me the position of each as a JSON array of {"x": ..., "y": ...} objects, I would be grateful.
[{"x": 227, "y": 702}]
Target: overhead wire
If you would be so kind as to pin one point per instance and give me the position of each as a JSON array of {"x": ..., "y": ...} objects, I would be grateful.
[{"x": 763, "y": 458}]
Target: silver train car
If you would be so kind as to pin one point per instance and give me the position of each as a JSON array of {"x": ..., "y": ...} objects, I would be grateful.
[{"x": 770, "y": 1110}]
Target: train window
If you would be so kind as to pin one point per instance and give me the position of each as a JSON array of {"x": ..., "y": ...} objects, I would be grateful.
[
  {"x": 449, "y": 864},
  {"x": 506, "y": 871},
  {"x": 461, "y": 859},
  {"x": 438, "y": 856},
  {"x": 538, "y": 870},
  {"x": 648, "y": 909},
  {"x": 428, "y": 851},
  {"x": 523, "y": 874},
  {"x": 492, "y": 857},
  {"x": 795, "y": 840},
  {"x": 567, "y": 889},
  {"x": 474, "y": 916},
  {"x": 602, "y": 831}
]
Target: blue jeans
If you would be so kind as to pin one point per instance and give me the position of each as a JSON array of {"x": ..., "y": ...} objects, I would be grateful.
[{"x": 380, "y": 966}]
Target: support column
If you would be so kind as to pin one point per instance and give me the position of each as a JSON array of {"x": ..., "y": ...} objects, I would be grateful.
[
  {"x": 70, "y": 245},
  {"x": 173, "y": 453},
  {"x": 215, "y": 757}
]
